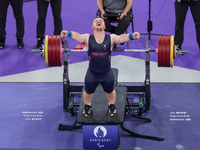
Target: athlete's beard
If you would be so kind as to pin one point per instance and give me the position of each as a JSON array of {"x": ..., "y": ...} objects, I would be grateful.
[{"x": 99, "y": 28}]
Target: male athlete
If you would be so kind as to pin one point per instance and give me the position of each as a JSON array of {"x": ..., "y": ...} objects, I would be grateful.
[{"x": 99, "y": 46}]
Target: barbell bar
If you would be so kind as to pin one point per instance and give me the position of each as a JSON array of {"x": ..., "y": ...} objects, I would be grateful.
[{"x": 53, "y": 51}]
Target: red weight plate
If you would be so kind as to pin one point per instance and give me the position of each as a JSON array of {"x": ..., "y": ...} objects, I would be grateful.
[
  {"x": 159, "y": 50},
  {"x": 164, "y": 51},
  {"x": 163, "y": 48},
  {"x": 57, "y": 54},
  {"x": 168, "y": 51},
  {"x": 50, "y": 50},
  {"x": 53, "y": 49},
  {"x": 59, "y": 51}
]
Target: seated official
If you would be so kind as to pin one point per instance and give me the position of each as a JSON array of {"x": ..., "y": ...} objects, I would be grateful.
[{"x": 115, "y": 10}]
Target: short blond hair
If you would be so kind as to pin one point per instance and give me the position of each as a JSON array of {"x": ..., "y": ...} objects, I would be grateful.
[{"x": 96, "y": 18}]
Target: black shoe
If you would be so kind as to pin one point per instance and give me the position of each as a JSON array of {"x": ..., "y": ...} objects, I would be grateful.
[
  {"x": 178, "y": 47},
  {"x": 112, "y": 112},
  {"x": 2, "y": 43},
  {"x": 39, "y": 43},
  {"x": 20, "y": 43},
  {"x": 87, "y": 112}
]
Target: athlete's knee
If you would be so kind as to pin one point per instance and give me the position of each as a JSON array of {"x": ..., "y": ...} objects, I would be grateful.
[
  {"x": 89, "y": 90},
  {"x": 109, "y": 90}
]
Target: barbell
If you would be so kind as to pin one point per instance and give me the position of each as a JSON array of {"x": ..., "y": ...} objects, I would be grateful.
[{"x": 167, "y": 51}]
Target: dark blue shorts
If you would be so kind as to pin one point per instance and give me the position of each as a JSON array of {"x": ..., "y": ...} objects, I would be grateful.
[{"x": 93, "y": 79}]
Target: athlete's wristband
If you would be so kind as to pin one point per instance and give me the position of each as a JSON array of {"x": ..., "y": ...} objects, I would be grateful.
[
  {"x": 69, "y": 34},
  {"x": 130, "y": 36}
]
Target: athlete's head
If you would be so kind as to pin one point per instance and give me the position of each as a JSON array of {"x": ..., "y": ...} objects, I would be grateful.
[{"x": 98, "y": 24}]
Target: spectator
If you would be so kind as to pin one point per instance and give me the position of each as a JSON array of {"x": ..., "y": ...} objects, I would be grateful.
[
  {"x": 181, "y": 8},
  {"x": 42, "y": 6},
  {"x": 17, "y": 6}
]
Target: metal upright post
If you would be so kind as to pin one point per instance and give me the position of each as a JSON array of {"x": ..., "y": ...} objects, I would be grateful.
[
  {"x": 66, "y": 82},
  {"x": 147, "y": 78},
  {"x": 149, "y": 24}
]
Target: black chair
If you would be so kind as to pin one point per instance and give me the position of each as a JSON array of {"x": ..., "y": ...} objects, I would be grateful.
[{"x": 116, "y": 21}]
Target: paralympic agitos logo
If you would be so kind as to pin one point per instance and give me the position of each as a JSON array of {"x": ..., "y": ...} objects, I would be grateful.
[{"x": 100, "y": 132}]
